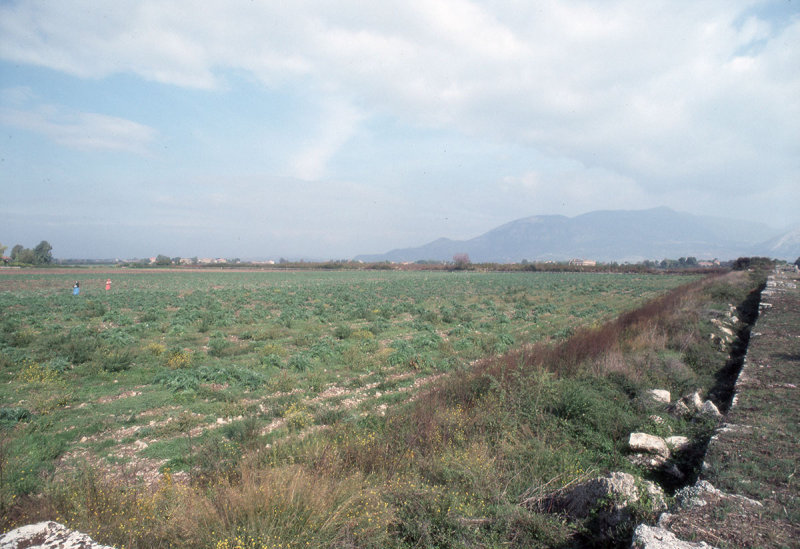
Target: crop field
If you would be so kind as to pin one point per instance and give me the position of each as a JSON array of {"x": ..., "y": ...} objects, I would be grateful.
[
  {"x": 128, "y": 376},
  {"x": 184, "y": 372}
]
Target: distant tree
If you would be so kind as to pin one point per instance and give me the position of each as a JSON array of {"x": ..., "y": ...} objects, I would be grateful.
[
  {"x": 42, "y": 253},
  {"x": 163, "y": 260},
  {"x": 461, "y": 261},
  {"x": 15, "y": 251},
  {"x": 176, "y": 260},
  {"x": 744, "y": 263},
  {"x": 195, "y": 261},
  {"x": 26, "y": 256},
  {"x": 691, "y": 261},
  {"x": 797, "y": 262},
  {"x": 3, "y": 249}
]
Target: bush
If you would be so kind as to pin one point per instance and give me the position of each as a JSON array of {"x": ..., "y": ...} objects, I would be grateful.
[
  {"x": 218, "y": 346},
  {"x": 14, "y": 414},
  {"x": 300, "y": 362},
  {"x": 59, "y": 364},
  {"x": 178, "y": 358},
  {"x": 115, "y": 360},
  {"x": 298, "y": 417},
  {"x": 243, "y": 432},
  {"x": 93, "y": 309},
  {"x": 342, "y": 332}
]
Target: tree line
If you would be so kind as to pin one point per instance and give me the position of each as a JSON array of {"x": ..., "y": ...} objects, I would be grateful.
[{"x": 42, "y": 254}]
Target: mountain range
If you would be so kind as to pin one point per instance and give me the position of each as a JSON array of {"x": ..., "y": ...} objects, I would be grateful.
[{"x": 610, "y": 235}]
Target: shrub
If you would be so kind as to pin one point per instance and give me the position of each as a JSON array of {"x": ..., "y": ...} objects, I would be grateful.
[
  {"x": 178, "y": 358},
  {"x": 14, "y": 414},
  {"x": 33, "y": 372},
  {"x": 298, "y": 417},
  {"x": 272, "y": 360},
  {"x": 218, "y": 346},
  {"x": 148, "y": 316},
  {"x": 156, "y": 349},
  {"x": 243, "y": 432},
  {"x": 93, "y": 309},
  {"x": 300, "y": 362},
  {"x": 23, "y": 337},
  {"x": 59, "y": 364},
  {"x": 342, "y": 332},
  {"x": 115, "y": 360}
]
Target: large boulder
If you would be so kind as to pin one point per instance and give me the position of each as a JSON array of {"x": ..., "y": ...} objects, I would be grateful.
[
  {"x": 47, "y": 535},
  {"x": 608, "y": 500}
]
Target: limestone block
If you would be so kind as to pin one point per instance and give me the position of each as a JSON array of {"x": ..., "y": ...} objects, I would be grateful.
[{"x": 648, "y": 444}]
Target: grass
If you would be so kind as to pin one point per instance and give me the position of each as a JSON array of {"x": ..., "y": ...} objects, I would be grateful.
[{"x": 448, "y": 468}]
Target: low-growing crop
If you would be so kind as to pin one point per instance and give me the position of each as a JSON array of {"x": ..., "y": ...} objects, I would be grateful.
[{"x": 319, "y": 409}]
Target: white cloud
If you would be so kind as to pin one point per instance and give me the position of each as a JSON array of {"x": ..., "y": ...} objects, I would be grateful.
[
  {"x": 663, "y": 95},
  {"x": 337, "y": 124},
  {"x": 81, "y": 130}
]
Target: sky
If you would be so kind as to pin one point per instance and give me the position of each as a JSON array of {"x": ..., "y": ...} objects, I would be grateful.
[{"x": 323, "y": 130}]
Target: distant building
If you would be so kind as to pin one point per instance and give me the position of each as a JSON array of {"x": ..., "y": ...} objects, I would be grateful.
[
  {"x": 707, "y": 263},
  {"x": 583, "y": 262}
]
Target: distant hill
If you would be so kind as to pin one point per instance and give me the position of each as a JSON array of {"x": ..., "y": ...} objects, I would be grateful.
[
  {"x": 785, "y": 246},
  {"x": 609, "y": 235}
]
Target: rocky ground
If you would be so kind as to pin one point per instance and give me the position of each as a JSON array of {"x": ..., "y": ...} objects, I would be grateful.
[{"x": 747, "y": 495}]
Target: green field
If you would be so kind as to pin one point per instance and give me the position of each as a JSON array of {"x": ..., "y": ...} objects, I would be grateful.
[{"x": 189, "y": 372}]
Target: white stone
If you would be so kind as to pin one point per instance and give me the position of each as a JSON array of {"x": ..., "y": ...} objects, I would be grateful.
[
  {"x": 651, "y": 537},
  {"x": 648, "y": 461},
  {"x": 694, "y": 401},
  {"x": 660, "y": 395},
  {"x": 677, "y": 443},
  {"x": 710, "y": 409},
  {"x": 680, "y": 409},
  {"x": 47, "y": 535},
  {"x": 608, "y": 498},
  {"x": 649, "y": 444}
]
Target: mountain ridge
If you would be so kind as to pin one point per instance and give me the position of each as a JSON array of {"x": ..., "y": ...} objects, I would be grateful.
[{"x": 609, "y": 235}]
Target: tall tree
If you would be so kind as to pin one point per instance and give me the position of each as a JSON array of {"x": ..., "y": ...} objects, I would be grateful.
[
  {"x": 42, "y": 253},
  {"x": 15, "y": 251},
  {"x": 26, "y": 256},
  {"x": 2, "y": 249}
]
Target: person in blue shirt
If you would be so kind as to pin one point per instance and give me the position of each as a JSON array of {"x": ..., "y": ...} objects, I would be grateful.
[{"x": 76, "y": 288}]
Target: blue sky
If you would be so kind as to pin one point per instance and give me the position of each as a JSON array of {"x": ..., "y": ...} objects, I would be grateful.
[{"x": 325, "y": 130}]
